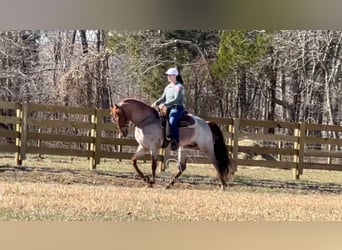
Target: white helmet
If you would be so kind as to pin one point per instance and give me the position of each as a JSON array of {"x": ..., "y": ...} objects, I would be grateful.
[{"x": 172, "y": 71}]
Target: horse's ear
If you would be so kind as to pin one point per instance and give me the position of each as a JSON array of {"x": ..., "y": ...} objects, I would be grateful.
[{"x": 115, "y": 106}]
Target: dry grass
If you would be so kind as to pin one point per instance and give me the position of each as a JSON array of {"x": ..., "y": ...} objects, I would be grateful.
[
  {"x": 56, "y": 189},
  {"x": 27, "y": 201}
]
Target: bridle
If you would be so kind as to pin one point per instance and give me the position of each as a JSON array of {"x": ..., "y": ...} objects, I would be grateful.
[
  {"x": 126, "y": 121},
  {"x": 125, "y": 118}
]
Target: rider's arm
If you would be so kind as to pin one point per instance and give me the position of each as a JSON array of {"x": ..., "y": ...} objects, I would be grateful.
[{"x": 160, "y": 100}]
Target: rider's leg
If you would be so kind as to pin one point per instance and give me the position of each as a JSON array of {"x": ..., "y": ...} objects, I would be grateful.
[{"x": 174, "y": 119}]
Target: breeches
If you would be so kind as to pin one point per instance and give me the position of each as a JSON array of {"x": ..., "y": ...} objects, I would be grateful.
[{"x": 174, "y": 118}]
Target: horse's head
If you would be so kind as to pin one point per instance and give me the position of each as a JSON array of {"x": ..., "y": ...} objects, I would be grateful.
[{"x": 120, "y": 118}]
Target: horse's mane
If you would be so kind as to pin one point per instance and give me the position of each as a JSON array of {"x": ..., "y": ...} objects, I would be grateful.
[{"x": 134, "y": 100}]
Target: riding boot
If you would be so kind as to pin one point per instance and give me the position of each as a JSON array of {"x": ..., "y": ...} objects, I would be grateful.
[
  {"x": 168, "y": 131},
  {"x": 174, "y": 145}
]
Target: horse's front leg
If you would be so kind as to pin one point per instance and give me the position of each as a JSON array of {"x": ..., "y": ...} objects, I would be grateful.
[{"x": 140, "y": 152}]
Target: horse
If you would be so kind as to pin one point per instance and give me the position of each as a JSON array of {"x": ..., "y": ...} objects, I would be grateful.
[{"x": 149, "y": 133}]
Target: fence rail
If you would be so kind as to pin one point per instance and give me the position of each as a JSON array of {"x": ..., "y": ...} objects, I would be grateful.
[{"x": 85, "y": 132}]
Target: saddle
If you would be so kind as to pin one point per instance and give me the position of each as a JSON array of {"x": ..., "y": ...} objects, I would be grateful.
[{"x": 186, "y": 121}]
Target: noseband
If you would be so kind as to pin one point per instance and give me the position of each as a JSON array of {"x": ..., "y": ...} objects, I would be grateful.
[{"x": 124, "y": 117}]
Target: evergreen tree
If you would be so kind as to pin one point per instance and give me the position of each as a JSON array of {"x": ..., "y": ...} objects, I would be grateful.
[{"x": 239, "y": 51}]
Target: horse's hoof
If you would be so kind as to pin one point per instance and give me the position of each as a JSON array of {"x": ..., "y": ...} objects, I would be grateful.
[
  {"x": 149, "y": 185},
  {"x": 147, "y": 179}
]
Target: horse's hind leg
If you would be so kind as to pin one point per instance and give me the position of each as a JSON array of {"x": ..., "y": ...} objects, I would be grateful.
[
  {"x": 182, "y": 157},
  {"x": 154, "y": 156},
  {"x": 140, "y": 152},
  {"x": 223, "y": 178}
]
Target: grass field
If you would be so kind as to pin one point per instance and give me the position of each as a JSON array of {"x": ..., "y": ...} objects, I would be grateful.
[{"x": 61, "y": 189}]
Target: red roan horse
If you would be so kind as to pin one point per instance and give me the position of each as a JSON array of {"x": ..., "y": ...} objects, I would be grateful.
[{"x": 149, "y": 133}]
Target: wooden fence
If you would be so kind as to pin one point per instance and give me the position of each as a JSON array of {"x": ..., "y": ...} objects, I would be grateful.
[{"x": 85, "y": 132}]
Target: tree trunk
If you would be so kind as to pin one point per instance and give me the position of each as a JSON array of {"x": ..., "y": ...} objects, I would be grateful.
[
  {"x": 84, "y": 41},
  {"x": 272, "y": 96},
  {"x": 87, "y": 77},
  {"x": 243, "y": 92},
  {"x": 283, "y": 96},
  {"x": 102, "y": 72},
  {"x": 296, "y": 104},
  {"x": 57, "y": 56}
]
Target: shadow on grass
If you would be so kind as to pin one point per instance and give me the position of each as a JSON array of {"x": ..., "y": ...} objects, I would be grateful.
[
  {"x": 5, "y": 168},
  {"x": 303, "y": 186},
  {"x": 130, "y": 179}
]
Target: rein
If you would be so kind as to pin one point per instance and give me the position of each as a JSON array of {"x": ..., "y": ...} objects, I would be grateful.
[
  {"x": 125, "y": 117},
  {"x": 143, "y": 121}
]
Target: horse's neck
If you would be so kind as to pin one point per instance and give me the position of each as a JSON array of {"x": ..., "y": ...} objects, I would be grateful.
[{"x": 138, "y": 114}]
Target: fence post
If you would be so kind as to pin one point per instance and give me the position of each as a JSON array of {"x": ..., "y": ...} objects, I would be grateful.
[
  {"x": 235, "y": 135},
  {"x": 119, "y": 146},
  {"x": 92, "y": 147},
  {"x": 230, "y": 132},
  {"x": 329, "y": 149},
  {"x": 39, "y": 144},
  {"x": 23, "y": 134},
  {"x": 98, "y": 135},
  {"x": 299, "y": 146},
  {"x": 280, "y": 146},
  {"x": 18, "y": 126}
]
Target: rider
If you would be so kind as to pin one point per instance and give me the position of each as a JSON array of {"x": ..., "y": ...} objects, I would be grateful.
[{"x": 173, "y": 99}]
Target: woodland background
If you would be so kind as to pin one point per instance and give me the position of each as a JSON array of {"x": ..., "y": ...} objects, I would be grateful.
[{"x": 284, "y": 75}]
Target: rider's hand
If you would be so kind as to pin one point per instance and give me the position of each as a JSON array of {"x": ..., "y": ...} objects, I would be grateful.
[
  {"x": 162, "y": 106},
  {"x": 163, "y": 109}
]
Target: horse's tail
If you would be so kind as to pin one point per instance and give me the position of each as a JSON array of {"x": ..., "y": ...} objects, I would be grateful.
[{"x": 220, "y": 150}]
